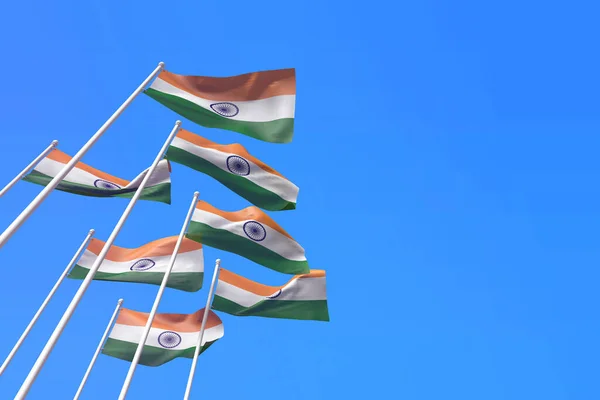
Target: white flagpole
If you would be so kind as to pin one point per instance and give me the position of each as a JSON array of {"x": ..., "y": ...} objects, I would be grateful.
[
  {"x": 45, "y": 303},
  {"x": 163, "y": 284},
  {"x": 35, "y": 370},
  {"x": 26, "y": 213},
  {"x": 87, "y": 373},
  {"x": 188, "y": 388},
  {"x": 28, "y": 168}
]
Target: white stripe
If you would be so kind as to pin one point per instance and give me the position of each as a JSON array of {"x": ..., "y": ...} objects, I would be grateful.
[
  {"x": 263, "y": 110},
  {"x": 304, "y": 289},
  {"x": 238, "y": 295},
  {"x": 274, "y": 241},
  {"x": 160, "y": 175},
  {"x": 191, "y": 261},
  {"x": 51, "y": 168},
  {"x": 298, "y": 289},
  {"x": 133, "y": 334},
  {"x": 271, "y": 182}
]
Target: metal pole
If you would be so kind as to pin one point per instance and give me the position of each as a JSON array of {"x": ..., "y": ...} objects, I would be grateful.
[
  {"x": 140, "y": 348},
  {"x": 26, "y": 213},
  {"x": 26, "y": 386},
  {"x": 87, "y": 373},
  {"x": 188, "y": 388},
  {"x": 29, "y": 167},
  {"x": 45, "y": 303}
]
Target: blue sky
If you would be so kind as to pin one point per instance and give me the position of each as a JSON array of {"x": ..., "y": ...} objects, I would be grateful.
[{"x": 446, "y": 154}]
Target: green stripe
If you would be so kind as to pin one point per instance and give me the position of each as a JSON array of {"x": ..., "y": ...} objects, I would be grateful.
[
  {"x": 224, "y": 240},
  {"x": 160, "y": 192},
  {"x": 277, "y": 131},
  {"x": 240, "y": 185},
  {"x": 151, "y": 356},
  {"x": 315, "y": 310},
  {"x": 186, "y": 281}
]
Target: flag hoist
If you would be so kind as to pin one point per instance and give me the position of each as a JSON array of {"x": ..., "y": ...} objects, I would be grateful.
[
  {"x": 161, "y": 289},
  {"x": 87, "y": 373},
  {"x": 28, "y": 168},
  {"x": 188, "y": 388},
  {"x": 46, "y": 301},
  {"x": 26, "y": 213},
  {"x": 35, "y": 370}
]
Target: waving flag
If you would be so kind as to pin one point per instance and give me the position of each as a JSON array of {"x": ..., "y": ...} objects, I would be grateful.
[
  {"x": 87, "y": 181},
  {"x": 146, "y": 264},
  {"x": 258, "y": 104},
  {"x": 250, "y": 233},
  {"x": 171, "y": 336},
  {"x": 235, "y": 168},
  {"x": 303, "y": 297}
]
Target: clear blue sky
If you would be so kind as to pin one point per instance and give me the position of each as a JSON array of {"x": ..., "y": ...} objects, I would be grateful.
[{"x": 447, "y": 159}]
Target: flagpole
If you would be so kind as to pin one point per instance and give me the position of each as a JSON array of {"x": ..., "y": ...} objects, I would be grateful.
[
  {"x": 45, "y": 303},
  {"x": 87, "y": 373},
  {"x": 188, "y": 388},
  {"x": 35, "y": 370},
  {"x": 26, "y": 213},
  {"x": 140, "y": 347},
  {"x": 28, "y": 168}
]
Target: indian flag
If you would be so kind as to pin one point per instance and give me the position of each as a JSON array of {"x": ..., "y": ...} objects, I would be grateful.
[
  {"x": 171, "y": 336},
  {"x": 258, "y": 104},
  {"x": 235, "y": 168},
  {"x": 303, "y": 297},
  {"x": 87, "y": 181},
  {"x": 249, "y": 233},
  {"x": 146, "y": 264}
]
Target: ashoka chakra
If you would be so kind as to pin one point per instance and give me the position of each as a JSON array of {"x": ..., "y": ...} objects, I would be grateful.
[
  {"x": 142, "y": 265},
  {"x": 102, "y": 184},
  {"x": 275, "y": 295},
  {"x": 169, "y": 339},
  {"x": 225, "y": 109},
  {"x": 237, "y": 165},
  {"x": 255, "y": 231}
]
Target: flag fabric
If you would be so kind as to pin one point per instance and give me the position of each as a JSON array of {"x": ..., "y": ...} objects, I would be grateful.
[
  {"x": 303, "y": 297},
  {"x": 258, "y": 104},
  {"x": 87, "y": 181},
  {"x": 249, "y": 233},
  {"x": 235, "y": 168},
  {"x": 146, "y": 264},
  {"x": 171, "y": 336}
]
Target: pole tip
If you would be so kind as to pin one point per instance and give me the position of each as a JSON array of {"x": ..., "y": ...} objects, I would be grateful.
[
  {"x": 218, "y": 261},
  {"x": 120, "y": 301},
  {"x": 196, "y": 194},
  {"x": 54, "y": 143},
  {"x": 178, "y": 123},
  {"x": 92, "y": 231},
  {"x": 161, "y": 64}
]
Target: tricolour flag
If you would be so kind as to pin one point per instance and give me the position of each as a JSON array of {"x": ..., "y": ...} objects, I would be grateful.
[
  {"x": 303, "y": 297},
  {"x": 171, "y": 336},
  {"x": 258, "y": 104},
  {"x": 235, "y": 168},
  {"x": 87, "y": 181},
  {"x": 249, "y": 233},
  {"x": 146, "y": 264}
]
